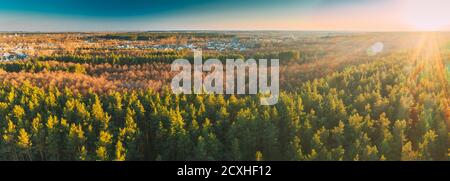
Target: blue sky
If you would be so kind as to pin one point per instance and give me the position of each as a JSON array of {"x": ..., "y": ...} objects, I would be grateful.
[
  {"x": 142, "y": 15},
  {"x": 133, "y": 8}
]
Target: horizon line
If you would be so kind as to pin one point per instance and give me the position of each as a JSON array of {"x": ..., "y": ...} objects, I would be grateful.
[{"x": 228, "y": 30}]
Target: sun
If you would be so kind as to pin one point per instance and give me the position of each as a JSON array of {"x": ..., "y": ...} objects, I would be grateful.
[{"x": 427, "y": 15}]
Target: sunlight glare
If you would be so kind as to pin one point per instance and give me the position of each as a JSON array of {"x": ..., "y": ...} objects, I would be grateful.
[{"x": 430, "y": 15}]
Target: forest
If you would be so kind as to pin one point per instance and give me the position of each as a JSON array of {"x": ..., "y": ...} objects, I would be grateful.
[{"x": 88, "y": 103}]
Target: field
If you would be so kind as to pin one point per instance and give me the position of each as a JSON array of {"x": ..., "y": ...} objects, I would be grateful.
[{"x": 106, "y": 96}]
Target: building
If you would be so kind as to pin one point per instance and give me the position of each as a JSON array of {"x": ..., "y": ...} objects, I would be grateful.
[{"x": 6, "y": 57}]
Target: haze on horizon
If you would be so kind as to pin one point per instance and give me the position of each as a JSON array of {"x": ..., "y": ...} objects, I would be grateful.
[{"x": 141, "y": 15}]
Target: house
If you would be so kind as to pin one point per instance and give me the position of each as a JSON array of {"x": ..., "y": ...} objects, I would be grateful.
[{"x": 6, "y": 57}]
